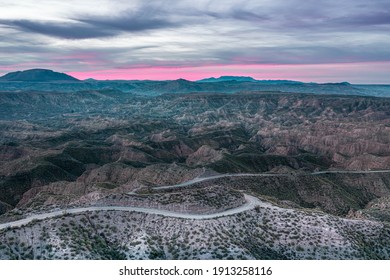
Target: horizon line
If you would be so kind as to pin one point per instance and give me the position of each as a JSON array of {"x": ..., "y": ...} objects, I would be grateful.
[{"x": 319, "y": 74}]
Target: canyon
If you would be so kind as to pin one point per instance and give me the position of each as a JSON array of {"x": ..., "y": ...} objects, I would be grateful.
[{"x": 108, "y": 173}]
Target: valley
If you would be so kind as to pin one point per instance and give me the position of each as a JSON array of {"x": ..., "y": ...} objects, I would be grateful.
[{"x": 112, "y": 174}]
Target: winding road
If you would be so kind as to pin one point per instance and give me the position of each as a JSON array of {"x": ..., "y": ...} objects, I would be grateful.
[
  {"x": 251, "y": 201},
  {"x": 198, "y": 180},
  {"x": 202, "y": 179}
]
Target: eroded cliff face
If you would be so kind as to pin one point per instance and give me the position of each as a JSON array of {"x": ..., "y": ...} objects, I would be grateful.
[{"x": 204, "y": 155}]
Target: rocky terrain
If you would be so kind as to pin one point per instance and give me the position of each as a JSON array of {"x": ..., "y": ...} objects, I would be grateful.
[{"x": 321, "y": 161}]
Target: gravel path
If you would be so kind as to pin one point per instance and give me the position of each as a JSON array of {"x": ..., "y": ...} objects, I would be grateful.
[
  {"x": 251, "y": 203},
  {"x": 197, "y": 180}
]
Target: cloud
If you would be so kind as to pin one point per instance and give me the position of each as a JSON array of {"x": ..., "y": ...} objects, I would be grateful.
[
  {"x": 65, "y": 30},
  {"x": 248, "y": 15},
  {"x": 302, "y": 55},
  {"x": 151, "y": 15},
  {"x": 144, "y": 18},
  {"x": 88, "y": 28},
  {"x": 127, "y": 23},
  {"x": 123, "y": 34},
  {"x": 375, "y": 18}
]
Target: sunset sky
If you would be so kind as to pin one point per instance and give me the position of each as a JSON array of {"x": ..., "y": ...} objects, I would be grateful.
[{"x": 311, "y": 40}]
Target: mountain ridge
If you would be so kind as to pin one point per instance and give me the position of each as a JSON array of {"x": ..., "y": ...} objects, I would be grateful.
[{"x": 246, "y": 79}]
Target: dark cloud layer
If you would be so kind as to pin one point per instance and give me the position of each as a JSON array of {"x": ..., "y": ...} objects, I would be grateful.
[
  {"x": 64, "y": 30},
  {"x": 93, "y": 27},
  {"x": 130, "y": 24},
  {"x": 144, "y": 18}
]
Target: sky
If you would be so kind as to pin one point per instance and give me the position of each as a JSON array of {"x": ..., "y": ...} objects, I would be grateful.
[{"x": 305, "y": 40}]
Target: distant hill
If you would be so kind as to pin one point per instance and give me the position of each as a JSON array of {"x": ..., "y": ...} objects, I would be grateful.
[
  {"x": 228, "y": 79},
  {"x": 37, "y": 75},
  {"x": 246, "y": 79},
  {"x": 338, "y": 84}
]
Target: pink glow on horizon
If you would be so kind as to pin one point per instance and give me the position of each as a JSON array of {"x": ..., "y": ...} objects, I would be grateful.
[{"x": 363, "y": 72}]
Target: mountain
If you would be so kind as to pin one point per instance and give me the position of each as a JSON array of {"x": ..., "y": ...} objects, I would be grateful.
[
  {"x": 248, "y": 79},
  {"x": 228, "y": 79},
  {"x": 37, "y": 75},
  {"x": 338, "y": 84}
]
